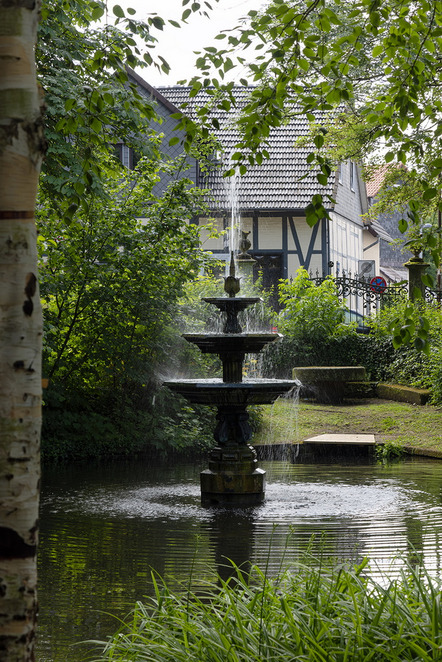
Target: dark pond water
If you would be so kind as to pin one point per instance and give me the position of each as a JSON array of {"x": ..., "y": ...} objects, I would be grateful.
[{"x": 104, "y": 529}]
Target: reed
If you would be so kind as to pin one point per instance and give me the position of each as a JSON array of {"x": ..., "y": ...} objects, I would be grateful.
[{"x": 313, "y": 612}]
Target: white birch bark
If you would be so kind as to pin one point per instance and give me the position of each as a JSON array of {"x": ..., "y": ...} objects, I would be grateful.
[{"x": 21, "y": 147}]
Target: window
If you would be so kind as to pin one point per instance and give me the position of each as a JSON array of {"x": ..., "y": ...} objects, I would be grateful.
[
  {"x": 128, "y": 157},
  {"x": 352, "y": 175},
  {"x": 340, "y": 180}
]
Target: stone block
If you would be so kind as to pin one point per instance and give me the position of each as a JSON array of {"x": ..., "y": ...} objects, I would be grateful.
[{"x": 414, "y": 396}]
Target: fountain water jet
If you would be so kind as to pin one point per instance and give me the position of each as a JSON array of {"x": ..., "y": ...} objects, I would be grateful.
[{"x": 233, "y": 476}]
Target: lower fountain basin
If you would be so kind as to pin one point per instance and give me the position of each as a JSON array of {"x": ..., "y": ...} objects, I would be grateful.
[{"x": 217, "y": 392}]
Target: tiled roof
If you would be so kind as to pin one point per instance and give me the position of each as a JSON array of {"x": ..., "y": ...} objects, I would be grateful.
[
  {"x": 377, "y": 179},
  {"x": 393, "y": 274},
  {"x": 283, "y": 182},
  {"x": 381, "y": 231}
]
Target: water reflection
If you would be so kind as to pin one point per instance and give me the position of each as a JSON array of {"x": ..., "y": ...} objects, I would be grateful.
[{"x": 105, "y": 529}]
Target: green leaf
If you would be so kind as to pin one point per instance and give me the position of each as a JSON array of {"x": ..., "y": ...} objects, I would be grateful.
[
  {"x": 427, "y": 280},
  {"x": 96, "y": 125},
  {"x": 417, "y": 293},
  {"x": 403, "y": 225},
  {"x": 419, "y": 343},
  {"x": 97, "y": 13},
  {"x": 69, "y": 104},
  {"x": 318, "y": 140},
  {"x": 397, "y": 341},
  {"x": 377, "y": 50},
  {"x": 429, "y": 193},
  {"x": 158, "y": 22},
  {"x": 118, "y": 11}
]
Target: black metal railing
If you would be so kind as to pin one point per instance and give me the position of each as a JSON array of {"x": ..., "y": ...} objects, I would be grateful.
[
  {"x": 433, "y": 296},
  {"x": 365, "y": 296}
]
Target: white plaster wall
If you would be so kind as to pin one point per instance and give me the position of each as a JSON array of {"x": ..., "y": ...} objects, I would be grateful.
[
  {"x": 346, "y": 244},
  {"x": 371, "y": 248},
  {"x": 270, "y": 233},
  {"x": 212, "y": 243}
]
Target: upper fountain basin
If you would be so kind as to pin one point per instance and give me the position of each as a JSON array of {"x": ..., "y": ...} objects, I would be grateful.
[
  {"x": 217, "y": 392},
  {"x": 221, "y": 343}
]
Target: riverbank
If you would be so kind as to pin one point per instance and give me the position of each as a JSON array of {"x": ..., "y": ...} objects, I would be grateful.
[{"x": 418, "y": 429}]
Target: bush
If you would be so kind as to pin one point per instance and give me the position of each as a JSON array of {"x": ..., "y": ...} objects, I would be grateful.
[
  {"x": 312, "y": 322},
  {"x": 353, "y": 349},
  {"x": 79, "y": 425},
  {"x": 408, "y": 366},
  {"x": 310, "y": 311}
]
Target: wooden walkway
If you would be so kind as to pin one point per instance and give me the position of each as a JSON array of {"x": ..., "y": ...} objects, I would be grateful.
[
  {"x": 345, "y": 439},
  {"x": 338, "y": 446}
]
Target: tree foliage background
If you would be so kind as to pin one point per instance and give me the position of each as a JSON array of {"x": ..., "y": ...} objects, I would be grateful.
[{"x": 114, "y": 254}]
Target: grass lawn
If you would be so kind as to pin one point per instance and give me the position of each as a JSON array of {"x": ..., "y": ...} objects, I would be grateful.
[{"x": 398, "y": 422}]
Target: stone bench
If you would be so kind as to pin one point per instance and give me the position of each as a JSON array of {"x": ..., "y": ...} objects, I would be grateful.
[{"x": 329, "y": 383}]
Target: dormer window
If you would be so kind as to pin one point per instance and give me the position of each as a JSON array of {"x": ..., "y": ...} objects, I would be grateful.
[{"x": 128, "y": 157}]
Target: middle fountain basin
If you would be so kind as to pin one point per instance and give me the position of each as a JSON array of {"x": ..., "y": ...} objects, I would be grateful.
[{"x": 216, "y": 343}]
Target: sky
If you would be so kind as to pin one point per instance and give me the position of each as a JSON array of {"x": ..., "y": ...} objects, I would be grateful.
[{"x": 176, "y": 45}]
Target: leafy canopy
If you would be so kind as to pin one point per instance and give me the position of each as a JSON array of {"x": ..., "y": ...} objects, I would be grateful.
[
  {"x": 109, "y": 281},
  {"x": 378, "y": 61}
]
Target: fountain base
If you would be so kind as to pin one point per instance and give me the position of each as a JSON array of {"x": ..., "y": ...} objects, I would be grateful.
[{"x": 233, "y": 478}]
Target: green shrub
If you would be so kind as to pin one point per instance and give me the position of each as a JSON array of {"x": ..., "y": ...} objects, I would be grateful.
[
  {"x": 80, "y": 425},
  {"x": 408, "y": 366},
  {"x": 309, "y": 310},
  {"x": 315, "y": 334},
  {"x": 353, "y": 349}
]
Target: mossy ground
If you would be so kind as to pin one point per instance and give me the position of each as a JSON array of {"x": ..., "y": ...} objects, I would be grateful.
[{"x": 415, "y": 426}]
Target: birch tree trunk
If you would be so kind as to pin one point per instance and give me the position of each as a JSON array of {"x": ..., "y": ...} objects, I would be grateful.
[{"x": 21, "y": 148}]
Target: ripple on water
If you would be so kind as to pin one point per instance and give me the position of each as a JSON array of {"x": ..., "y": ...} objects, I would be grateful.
[{"x": 284, "y": 501}]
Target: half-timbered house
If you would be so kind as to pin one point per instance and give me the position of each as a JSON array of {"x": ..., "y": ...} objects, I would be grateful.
[{"x": 271, "y": 198}]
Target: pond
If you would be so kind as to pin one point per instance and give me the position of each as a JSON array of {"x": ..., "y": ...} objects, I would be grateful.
[{"x": 105, "y": 528}]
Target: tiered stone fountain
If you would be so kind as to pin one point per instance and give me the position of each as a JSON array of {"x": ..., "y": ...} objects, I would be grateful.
[{"x": 233, "y": 476}]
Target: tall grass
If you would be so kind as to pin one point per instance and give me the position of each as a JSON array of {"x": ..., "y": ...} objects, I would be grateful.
[{"x": 320, "y": 614}]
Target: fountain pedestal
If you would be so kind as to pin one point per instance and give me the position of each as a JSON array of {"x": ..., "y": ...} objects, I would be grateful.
[{"x": 233, "y": 477}]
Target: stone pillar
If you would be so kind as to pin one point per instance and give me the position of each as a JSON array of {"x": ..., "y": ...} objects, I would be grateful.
[{"x": 416, "y": 268}]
